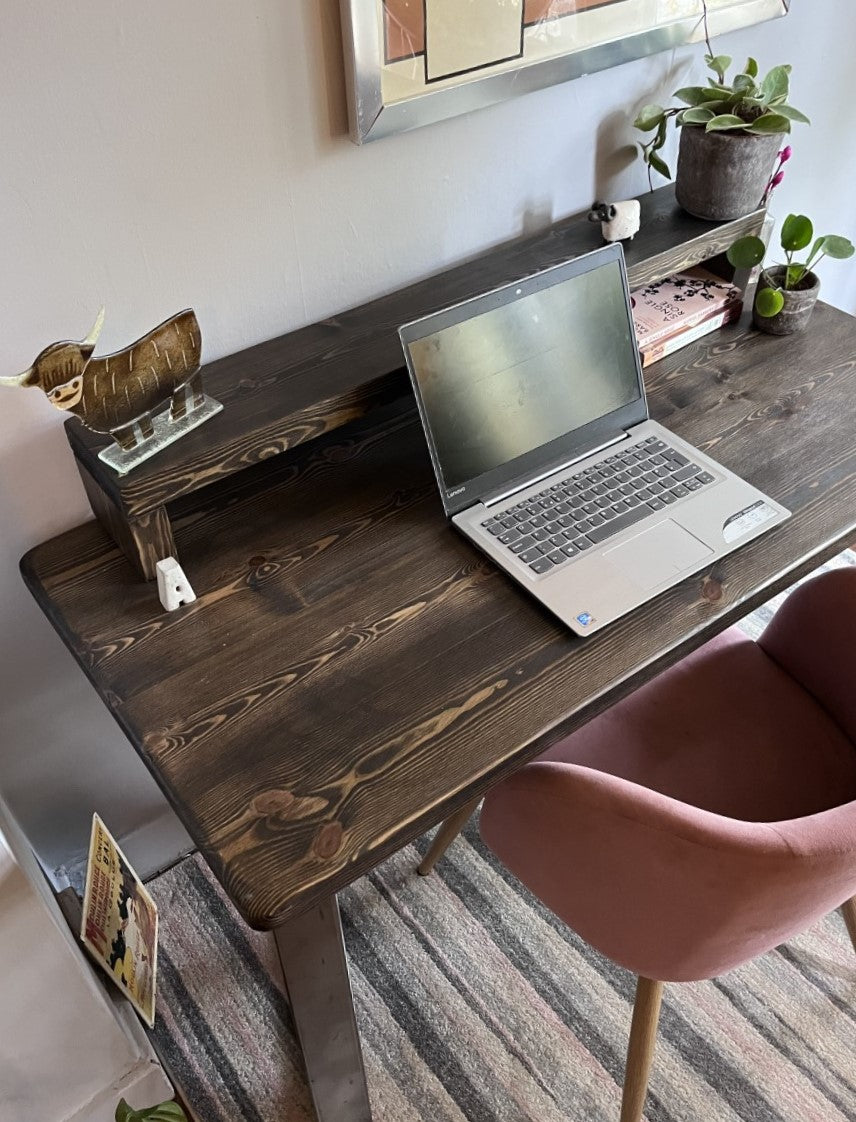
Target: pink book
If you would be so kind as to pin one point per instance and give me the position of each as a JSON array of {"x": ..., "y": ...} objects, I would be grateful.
[
  {"x": 655, "y": 351},
  {"x": 670, "y": 306}
]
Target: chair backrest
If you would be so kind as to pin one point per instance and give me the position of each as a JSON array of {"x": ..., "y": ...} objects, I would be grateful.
[
  {"x": 672, "y": 891},
  {"x": 667, "y": 890},
  {"x": 813, "y": 638}
]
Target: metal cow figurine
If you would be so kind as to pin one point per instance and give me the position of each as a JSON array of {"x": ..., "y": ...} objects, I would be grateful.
[{"x": 120, "y": 393}]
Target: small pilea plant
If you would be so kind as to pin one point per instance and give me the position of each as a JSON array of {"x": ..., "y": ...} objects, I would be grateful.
[
  {"x": 745, "y": 105},
  {"x": 797, "y": 232}
]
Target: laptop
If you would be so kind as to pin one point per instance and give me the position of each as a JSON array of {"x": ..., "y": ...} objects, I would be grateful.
[{"x": 533, "y": 405}]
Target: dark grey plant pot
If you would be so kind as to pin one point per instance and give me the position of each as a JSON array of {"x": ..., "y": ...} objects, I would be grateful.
[
  {"x": 799, "y": 303},
  {"x": 723, "y": 175}
]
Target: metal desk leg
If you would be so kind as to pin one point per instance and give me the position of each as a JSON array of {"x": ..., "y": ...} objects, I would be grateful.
[{"x": 312, "y": 953}]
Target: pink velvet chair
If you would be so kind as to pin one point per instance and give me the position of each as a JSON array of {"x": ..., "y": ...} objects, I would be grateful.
[{"x": 706, "y": 818}]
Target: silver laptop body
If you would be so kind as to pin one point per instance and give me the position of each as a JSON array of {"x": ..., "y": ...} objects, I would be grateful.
[{"x": 533, "y": 405}]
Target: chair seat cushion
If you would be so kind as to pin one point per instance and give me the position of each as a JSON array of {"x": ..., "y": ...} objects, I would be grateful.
[{"x": 726, "y": 730}]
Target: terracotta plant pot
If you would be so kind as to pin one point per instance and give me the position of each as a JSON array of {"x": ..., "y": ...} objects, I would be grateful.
[
  {"x": 799, "y": 303},
  {"x": 723, "y": 175}
]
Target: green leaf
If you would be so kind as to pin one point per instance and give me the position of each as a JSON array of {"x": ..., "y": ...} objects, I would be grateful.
[
  {"x": 718, "y": 63},
  {"x": 776, "y": 84},
  {"x": 816, "y": 248},
  {"x": 769, "y": 302},
  {"x": 695, "y": 116},
  {"x": 743, "y": 83},
  {"x": 694, "y": 95},
  {"x": 770, "y": 122},
  {"x": 746, "y": 252},
  {"x": 838, "y": 247},
  {"x": 713, "y": 106},
  {"x": 794, "y": 274},
  {"x": 792, "y": 114},
  {"x": 699, "y": 94},
  {"x": 797, "y": 232},
  {"x": 659, "y": 164},
  {"x": 649, "y": 117},
  {"x": 751, "y": 68},
  {"x": 164, "y": 1112},
  {"x": 725, "y": 121}
]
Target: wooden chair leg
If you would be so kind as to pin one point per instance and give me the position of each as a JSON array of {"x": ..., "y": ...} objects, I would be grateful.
[
  {"x": 444, "y": 837},
  {"x": 848, "y": 910},
  {"x": 640, "y": 1049}
]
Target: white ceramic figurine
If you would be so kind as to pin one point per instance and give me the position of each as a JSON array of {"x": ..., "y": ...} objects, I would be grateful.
[{"x": 617, "y": 220}]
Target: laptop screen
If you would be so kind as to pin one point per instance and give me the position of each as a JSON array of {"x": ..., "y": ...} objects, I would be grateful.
[{"x": 525, "y": 367}]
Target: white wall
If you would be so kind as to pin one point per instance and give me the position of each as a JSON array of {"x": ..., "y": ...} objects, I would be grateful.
[{"x": 167, "y": 154}]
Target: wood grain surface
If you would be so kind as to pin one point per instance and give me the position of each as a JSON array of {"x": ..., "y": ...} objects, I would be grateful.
[
  {"x": 353, "y": 671},
  {"x": 145, "y": 539},
  {"x": 302, "y": 385}
]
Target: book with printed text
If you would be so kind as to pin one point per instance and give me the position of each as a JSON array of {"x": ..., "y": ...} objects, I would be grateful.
[{"x": 668, "y": 307}]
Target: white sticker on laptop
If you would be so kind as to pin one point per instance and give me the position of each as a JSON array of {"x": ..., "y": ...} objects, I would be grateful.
[{"x": 745, "y": 520}]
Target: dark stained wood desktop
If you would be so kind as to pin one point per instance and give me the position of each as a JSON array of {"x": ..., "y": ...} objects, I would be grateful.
[{"x": 353, "y": 670}]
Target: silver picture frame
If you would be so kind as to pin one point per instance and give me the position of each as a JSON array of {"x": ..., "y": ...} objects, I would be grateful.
[{"x": 371, "y": 118}]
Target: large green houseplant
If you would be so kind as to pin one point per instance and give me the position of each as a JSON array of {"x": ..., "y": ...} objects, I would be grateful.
[{"x": 730, "y": 134}]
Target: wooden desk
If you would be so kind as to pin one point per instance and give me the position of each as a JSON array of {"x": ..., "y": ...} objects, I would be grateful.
[{"x": 353, "y": 671}]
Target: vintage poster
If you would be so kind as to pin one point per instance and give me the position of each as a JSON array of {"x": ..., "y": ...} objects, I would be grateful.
[{"x": 120, "y": 922}]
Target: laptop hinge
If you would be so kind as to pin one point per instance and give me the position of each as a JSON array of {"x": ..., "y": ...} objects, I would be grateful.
[{"x": 498, "y": 497}]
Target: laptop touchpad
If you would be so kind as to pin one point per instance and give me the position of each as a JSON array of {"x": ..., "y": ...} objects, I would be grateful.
[{"x": 657, "y": 555}]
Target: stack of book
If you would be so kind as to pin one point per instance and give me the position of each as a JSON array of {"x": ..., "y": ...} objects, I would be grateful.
[{"x": 675, "y": 311}]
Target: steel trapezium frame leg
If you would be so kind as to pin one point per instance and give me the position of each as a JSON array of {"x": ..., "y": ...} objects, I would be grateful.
[{"x": 312, "y": 953}]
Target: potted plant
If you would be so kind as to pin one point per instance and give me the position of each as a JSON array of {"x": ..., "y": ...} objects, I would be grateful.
[
  {"x": 787, "y": 293},
  {"x": 730, "y": 134},
  {"x": 164, "y": 1112}
]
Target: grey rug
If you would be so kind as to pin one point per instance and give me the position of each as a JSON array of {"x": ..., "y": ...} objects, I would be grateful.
[{"x": 476, "y": 1005}]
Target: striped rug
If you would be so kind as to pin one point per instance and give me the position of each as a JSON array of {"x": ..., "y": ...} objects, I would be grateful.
[{"x": 476, "y": 1005}]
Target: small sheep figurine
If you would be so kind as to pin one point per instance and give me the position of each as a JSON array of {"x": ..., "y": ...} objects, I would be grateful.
[{"x": 617, "y": 220}]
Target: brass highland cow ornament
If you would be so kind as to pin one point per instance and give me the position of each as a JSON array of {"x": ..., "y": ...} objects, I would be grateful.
[{"x": 123, "y": 394}]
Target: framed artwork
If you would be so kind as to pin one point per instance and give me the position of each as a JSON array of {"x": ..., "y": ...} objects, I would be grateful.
[{"x": 413, "y": 62}]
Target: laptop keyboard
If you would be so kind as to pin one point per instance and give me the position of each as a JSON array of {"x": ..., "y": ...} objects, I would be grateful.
[{"x": 562, "y": 521}]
